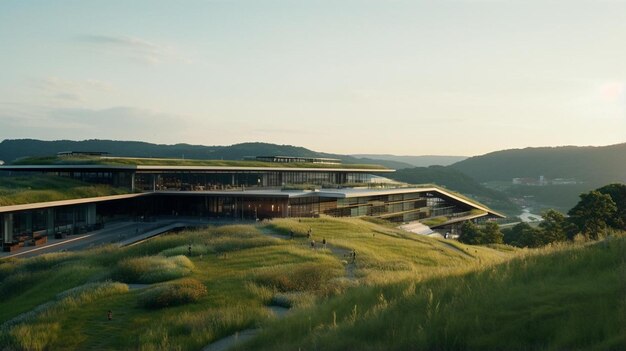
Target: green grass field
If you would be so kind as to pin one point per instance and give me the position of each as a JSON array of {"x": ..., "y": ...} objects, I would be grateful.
[
  {"x": 403, "y": 292},
  {"x": 562, "y": 298},
  {"x": 40, "y": 188}
]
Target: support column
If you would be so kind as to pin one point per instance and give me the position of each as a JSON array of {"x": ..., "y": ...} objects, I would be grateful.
[
  {"x": 132, "y": 182},
  {"x": 74, "y": 220},
  {"x": 50, "y": 221},
  {"x": 29, "y": 221},
  {"x": 90, "y": 214},
  {"x": 7, "y": 227}
]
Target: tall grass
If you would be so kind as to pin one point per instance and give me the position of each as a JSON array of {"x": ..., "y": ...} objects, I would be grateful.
[
  {"x": 298, "y": 277},
  {"x": 243, "y": 271},
  {"x": 557, "y": 298},
  {"x": 194, "y": 330},
  {"x": 39, "y": 329},
  {"x": 177, "y": 293},
  {"x": 152, "y": 269}
]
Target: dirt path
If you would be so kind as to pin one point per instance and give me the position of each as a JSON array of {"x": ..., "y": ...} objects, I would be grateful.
[
  {"x": 457, "y": 249},
  {"x": 342, "y": 254},
  {"x": 241, "y": 336},
  {"x": 230, "y": 341}
]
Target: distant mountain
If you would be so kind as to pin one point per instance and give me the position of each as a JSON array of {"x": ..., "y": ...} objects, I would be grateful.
[
  {"x": 457, "y": 181},
  {"x": 417, "y": 161},
  {"x": 583, "y": 168},
  {"x": 595, "y": 165},
  {"x": 11, "y": 150}
]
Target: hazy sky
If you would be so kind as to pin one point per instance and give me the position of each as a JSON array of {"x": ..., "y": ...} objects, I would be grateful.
[{"x": 457, "y": 77}]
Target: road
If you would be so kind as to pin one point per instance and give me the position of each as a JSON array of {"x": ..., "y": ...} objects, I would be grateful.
[{"x": 121, "y": 232}]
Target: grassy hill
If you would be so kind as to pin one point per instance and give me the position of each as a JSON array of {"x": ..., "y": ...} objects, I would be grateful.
[
  {"x": 564, "y": 298},
  {"x": 11, "y": 150},
  {"x": 233, "y": 274},
  {"x": 404, "y": 291}
]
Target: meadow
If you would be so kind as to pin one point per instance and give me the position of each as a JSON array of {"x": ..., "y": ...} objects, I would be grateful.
[{"x": 403, "y": 291}]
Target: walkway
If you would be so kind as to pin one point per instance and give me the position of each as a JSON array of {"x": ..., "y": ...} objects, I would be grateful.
[{"x": 123, "y": 233}]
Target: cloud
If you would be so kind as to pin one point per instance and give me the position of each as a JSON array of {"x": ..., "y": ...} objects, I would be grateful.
[
  {"x": 68, "y": 90},
  {"x": 133, "y": 48}
]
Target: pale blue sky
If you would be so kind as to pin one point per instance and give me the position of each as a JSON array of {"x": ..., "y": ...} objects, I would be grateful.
[{"x": 460, "y": 77}]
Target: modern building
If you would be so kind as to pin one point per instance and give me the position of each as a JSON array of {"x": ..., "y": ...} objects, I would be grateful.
[{"x": 283, "y": 187}]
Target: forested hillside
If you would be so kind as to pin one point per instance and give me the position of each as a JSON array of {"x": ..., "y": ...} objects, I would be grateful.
[
  {"x": 11, "y": 150},
  {"x": 597, "y": 165},
  {"x": 417, "y": 161}
]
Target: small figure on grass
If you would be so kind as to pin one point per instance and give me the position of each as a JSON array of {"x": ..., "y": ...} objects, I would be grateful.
[
  {"x": 308, "y": 234},
  {"x": 324, "y": 242},
  {"x": 313, "y": 244},
  {"x": 189, "y": 250},
  {"x": 291, "y": 234},
  {"x": 353, "y": 256},
  {"x": 110, "y": 315}
]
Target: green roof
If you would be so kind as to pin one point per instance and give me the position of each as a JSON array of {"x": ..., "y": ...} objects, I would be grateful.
[
  {"x": 128, "y": 161},
  {"x": 44, "y": 188}
]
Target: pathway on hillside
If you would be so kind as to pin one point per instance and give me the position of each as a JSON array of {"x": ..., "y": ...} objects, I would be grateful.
[
  {"x": 241, "y": 336},
  {"x": 342, "y": 254},
  {"x": 464, "y": 252}
]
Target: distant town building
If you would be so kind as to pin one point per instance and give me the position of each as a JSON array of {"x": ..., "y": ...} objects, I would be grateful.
[
  {"x": 543, "y": 181},
  {"x": 81, "y": 153}
]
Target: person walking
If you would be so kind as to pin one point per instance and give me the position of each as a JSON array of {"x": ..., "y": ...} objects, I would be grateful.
[
  {"x": 189, "y": 250},
  {"x": 324, "y": 242},
  {"x": 312, "y": 244},
  {"x": 353, "y": 256},
  {"x": 110, "y": 315}
]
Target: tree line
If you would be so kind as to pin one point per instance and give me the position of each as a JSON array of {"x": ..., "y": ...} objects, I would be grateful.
[{"x": 594, "y": 215}]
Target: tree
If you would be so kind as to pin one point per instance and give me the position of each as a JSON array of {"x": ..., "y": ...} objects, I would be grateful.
[
  {"x": 492, "y": 234},
  {"x": 553, "y": 226},
  {"x": 470, "y": 234},
  {"x": 592, "y": 213},
  {"x": 527, "y": 236},
  {"x": 617, "y": 192}
]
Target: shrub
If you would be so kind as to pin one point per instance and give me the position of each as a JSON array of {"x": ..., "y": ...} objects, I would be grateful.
[
  {"x": 152, "y": 269},
  {"x": 305, "y": 277},
  {"x": 33, "y": 337},
  {"x": 18, "y": 282},
  {"x": 293, "y": 300},
  {"x": 47, "y": 261},
  {"x": 183, "y": 250},
  {"x": 181, "y": 292},
  {"x": 227, "y": 244}
]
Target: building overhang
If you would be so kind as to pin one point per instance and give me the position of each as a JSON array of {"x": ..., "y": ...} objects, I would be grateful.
[
  {"x": 87, "y": 200},
  {"x": 352, "y": 192}
]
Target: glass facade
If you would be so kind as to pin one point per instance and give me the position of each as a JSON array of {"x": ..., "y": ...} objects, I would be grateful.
[
  {"x": 236, "y": 180},
  {"x": 396, "y": 207}
]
